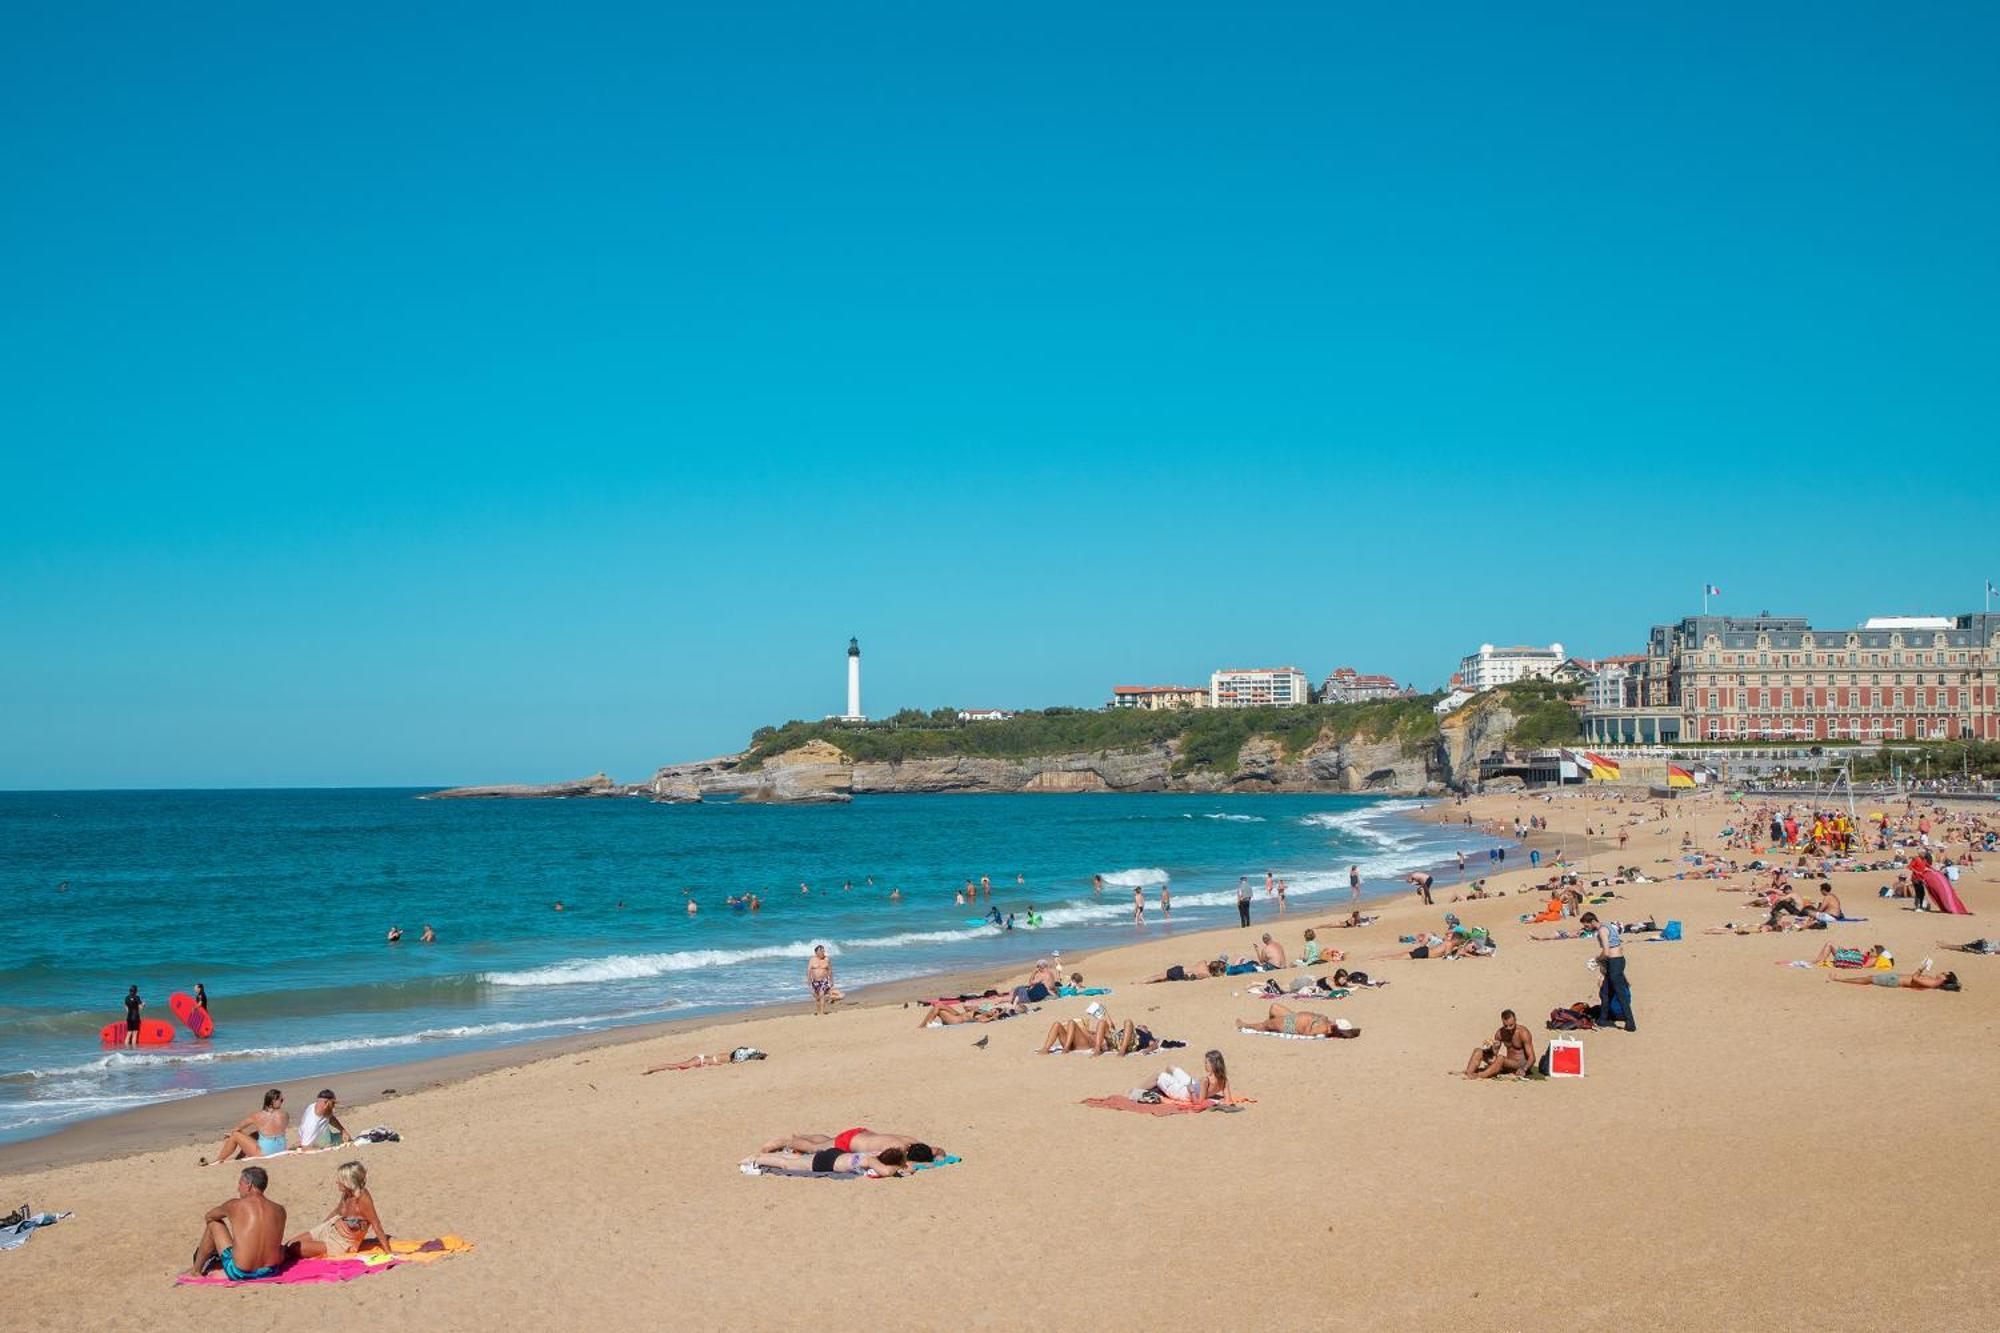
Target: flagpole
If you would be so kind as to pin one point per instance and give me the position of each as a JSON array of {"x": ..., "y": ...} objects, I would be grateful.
[{"x": 1704, "y": 596}]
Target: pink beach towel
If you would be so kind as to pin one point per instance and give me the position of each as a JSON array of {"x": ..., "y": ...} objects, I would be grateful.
[
  {"x": 301, "y": 1271},
  {"x": 1164, "y": 1107}
]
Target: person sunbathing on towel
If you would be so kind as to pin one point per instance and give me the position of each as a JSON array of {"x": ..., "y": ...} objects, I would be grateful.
[
  {"x": 950, "y": 1015},
  {"x": 1177, "y": 1085},
  {"x": 1512, "y": 1051},
  {"x": 243, "y": 1236},
  {"x": 345, "y": 1229},
  {"x": 737, "y": 1056},
  {"x": 855, "y": 1140},
  {"x": 1830, "y": 956},
  {"x": 1427, "y": 946},
  {"x": 1212, "y": 968},
  {"x": 1077, "y": 1034},
  {"x": 1921, "y": 979},
  {"x": 831, "y": 1162},
  {"x": 1297, "y": 1023}
]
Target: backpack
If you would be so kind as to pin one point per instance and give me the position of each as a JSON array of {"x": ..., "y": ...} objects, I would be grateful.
[{"x": 1576, "y": 1018}]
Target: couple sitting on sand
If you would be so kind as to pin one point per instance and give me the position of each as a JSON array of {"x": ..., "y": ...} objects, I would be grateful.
[
  {"x": 861, "y": 1152},
  {"x": 243, "y": 1236},
  {"x": 263, "y": 1133}
]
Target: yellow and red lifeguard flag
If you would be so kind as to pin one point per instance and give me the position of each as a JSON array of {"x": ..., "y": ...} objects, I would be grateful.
[
  {"x": 1604, "y": 770},
  {"x": 1678, "y": 776}
]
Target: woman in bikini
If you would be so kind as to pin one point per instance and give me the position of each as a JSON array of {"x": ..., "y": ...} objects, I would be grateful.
[
  {"x": 1296, "y": 1023},
  {"x": 856, "y": 1140},
  {"x": 832, "y": 1162},
  {"x": 948, "y": 1015},
  {"x": 261, "y": 1135},
  {"x": 1077, "y": 1035},
  {"x": 345, "y": 1229}
]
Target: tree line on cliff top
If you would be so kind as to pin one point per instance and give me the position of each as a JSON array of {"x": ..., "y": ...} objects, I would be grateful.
[{"x": 1210, "y": 738}]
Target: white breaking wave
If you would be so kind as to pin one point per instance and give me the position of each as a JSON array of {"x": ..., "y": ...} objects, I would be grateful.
[
  {"x": 1126, "y": 879},
  {"x": 1238, "y": 819},
  {"x": 639, "y": 966},
  {"x": 920, "y": 937},
  {"x": 1083, "y": 911}
]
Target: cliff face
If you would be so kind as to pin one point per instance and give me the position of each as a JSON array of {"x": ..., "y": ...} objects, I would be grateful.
[{"x": 820, "y": 772}]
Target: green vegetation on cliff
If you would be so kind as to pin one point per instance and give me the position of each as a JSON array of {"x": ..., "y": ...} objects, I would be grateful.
[
  {"x": 1211, "y": 738},
  {"x": 1543, "y": 713}
]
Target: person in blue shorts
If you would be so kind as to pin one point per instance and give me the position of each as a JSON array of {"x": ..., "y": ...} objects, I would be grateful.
[{"x": 244, "y": 1236}]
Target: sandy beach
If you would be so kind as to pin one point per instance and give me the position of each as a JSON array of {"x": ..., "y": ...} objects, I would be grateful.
[{"x": 1768, "y": 1150}]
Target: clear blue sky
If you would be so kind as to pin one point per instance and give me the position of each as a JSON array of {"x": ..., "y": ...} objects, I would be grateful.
[{"x": 425, "y": 395}]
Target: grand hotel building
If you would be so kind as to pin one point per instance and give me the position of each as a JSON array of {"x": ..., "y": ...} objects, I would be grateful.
[{"x": 1777, "y": 678}]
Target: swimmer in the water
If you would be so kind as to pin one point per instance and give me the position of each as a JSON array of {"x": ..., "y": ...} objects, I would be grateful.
[
  {"x": 395, "y": 933},
  {"x": 692, "y": 908},
  {"x": 895, "y": 895}
]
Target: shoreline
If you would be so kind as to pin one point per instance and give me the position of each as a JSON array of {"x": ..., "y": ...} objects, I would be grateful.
[{"x": 196, "y": 1120}]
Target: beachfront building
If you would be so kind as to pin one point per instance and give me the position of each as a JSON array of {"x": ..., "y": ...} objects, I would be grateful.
[
  {"x": 1779, "y": 678},
  {"x": 1348, "y": 686},
  {"x": 1257, "y": 687},
  {"x": 1159, "y": 698},
  {"x": 1491, "y": 667}
]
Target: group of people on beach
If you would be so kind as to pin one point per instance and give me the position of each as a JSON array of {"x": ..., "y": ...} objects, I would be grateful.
[{"x": 243, "y": 1237}]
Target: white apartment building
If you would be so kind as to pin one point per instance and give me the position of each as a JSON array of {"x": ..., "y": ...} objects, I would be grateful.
[
  {"x": 1491, "y": 667},
  {"x": 1254, "y": 687}
]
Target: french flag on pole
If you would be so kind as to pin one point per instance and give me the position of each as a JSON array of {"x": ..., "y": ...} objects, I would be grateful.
[{"x": 1711, "y": 590}]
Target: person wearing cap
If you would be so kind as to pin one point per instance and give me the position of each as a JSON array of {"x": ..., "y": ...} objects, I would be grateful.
[{"x": 313, "y": 1124}]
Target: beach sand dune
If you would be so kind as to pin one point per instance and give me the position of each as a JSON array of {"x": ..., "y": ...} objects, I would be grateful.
[{"x": 1768, "y": 1151}]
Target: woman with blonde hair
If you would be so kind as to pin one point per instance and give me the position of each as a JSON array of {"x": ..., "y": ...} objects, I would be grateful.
[{"x": 345, "y": 1229}]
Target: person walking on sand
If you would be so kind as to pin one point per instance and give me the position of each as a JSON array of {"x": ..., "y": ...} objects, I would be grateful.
[
  {"x": 244, "y": 1236},
  {"x": 133, "y": 1004},
  {"x": 1243, "y": 899},
  {"x": 1614, "y": 993},
  {"x": 1138, "y": 904},
  {"x": 819, "y": 980}
]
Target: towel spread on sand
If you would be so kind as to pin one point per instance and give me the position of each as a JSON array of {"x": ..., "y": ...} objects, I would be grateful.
[
  {"x": 15, "y": 1236},
  {"x": 1166, "y": 1107},
  {"x": 343, "y": 1268},
  {"x": 1287, "y": 1036},
  {"x": 303, "y": 1152}
]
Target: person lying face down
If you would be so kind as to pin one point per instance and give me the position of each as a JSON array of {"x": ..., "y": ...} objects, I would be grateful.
[
  {"x": 856, "y": 1140},
  {"x": 1214, "y": 967},
  {"x": 832, "y": 1162}
]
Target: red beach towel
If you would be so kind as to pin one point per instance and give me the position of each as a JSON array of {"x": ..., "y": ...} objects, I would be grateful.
[
  {"x": 302, "y": 1271},
  {"x": 1164, "y": 1107}
]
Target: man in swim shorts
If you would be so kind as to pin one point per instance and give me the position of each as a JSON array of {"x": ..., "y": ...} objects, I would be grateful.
[
  {"x": 1512, "y": 1051},
  {"x": 245, "y": 1236},
  {"x": 819, "y": 980}
]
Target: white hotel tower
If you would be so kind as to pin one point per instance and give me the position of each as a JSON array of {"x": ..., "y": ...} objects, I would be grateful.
[{"x": 853, "y": 713}]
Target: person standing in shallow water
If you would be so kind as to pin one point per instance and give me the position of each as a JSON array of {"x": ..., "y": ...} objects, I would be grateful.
[
  {"x": 1138, "y": 905},
  {"x": 133, "y": 1006}
]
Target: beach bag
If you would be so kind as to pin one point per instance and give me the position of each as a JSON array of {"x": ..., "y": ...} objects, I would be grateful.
[
  {"x": 1672, "y": 932},
  {"x": 1576, "y": 1018},
  {"x": 1563, "y": 1059}
]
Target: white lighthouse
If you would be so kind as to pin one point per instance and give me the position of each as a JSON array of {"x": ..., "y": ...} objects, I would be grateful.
[{"x": 853, "y": 713}]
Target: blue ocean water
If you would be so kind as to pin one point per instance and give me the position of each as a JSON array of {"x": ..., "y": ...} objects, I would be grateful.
[{"x": 279, "y": 901}]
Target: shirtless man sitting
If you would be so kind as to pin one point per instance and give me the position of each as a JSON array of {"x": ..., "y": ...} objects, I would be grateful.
[
  {"x": 855, "y": 1140},
  {"x": 1512, "y": 1051},
  {"x": 1298, "y": 1023},
  {"x": 244, "y": 1236},
  {"x": 1269, "y": 952}
]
